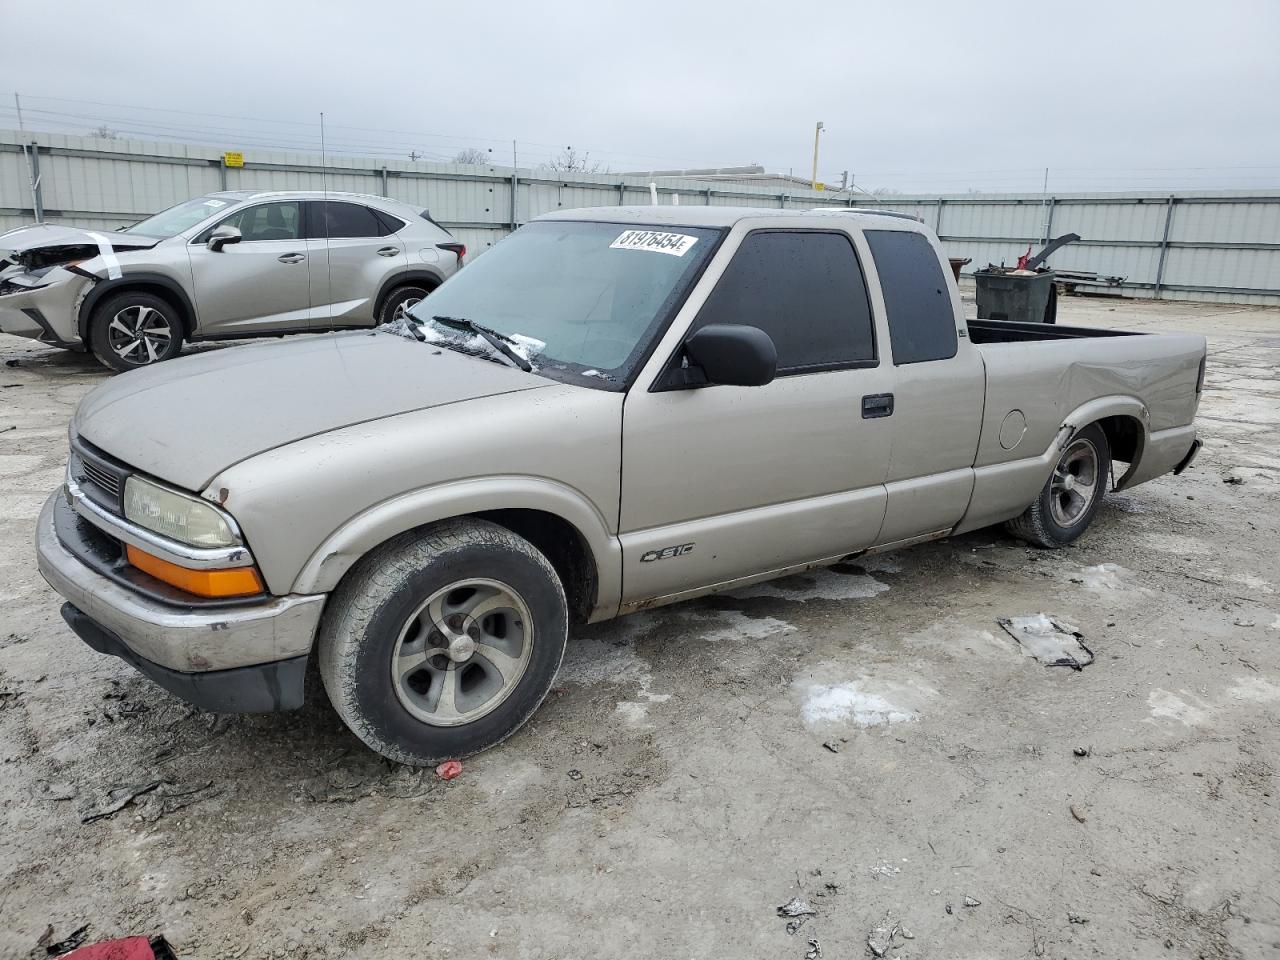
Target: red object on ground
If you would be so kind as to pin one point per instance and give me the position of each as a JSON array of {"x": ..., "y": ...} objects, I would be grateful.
[
  {"x": 449, "y": 769},
  {"x": 1022, "y": 260},
  {"x": 130, "y": 948}
]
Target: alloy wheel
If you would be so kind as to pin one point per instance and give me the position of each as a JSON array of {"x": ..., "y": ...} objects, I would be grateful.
[
  {"x": 139, "y": 334},
  {"x": 1075, "y": 483}
]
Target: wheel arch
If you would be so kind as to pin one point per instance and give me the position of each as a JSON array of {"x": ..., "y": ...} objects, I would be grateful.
[
  {"x": 156, "y": 284},
  {"x": 429, "y": 279},
  {"x": 556, "y": 519},
  {"x": 1125, "y": 421}
]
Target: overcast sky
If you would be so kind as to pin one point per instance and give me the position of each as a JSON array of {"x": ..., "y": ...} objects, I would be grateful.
[{"x": 916, "y": 96}]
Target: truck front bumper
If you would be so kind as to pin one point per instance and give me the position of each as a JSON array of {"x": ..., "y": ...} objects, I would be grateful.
[{"x": 227, "y": 659}]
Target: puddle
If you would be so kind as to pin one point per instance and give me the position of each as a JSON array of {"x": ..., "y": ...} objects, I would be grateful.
[{"x": 1052, "y": 642}]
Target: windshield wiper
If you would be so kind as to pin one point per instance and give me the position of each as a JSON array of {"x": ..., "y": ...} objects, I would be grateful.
[{"x": 498, "y": 341}]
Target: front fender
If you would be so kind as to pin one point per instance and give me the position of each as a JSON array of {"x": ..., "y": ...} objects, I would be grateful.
[{"x": 365, "y": 531}]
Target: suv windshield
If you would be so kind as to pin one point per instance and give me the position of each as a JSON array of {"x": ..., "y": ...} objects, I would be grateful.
[
  {"x": 582, "y": 298},
  {"x": 171, "y": 222}
]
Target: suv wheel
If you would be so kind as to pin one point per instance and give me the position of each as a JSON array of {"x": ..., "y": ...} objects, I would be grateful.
[
  {"x": 1071, "y": 496},
  {"x": 442, "y": 643},
  {"x": 131, "y": 330},
  {"x": 399, "y": 301}
]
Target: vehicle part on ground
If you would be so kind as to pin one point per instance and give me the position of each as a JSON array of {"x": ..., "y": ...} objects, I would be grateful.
[
  {"x": 134, "y": 329},
  {"x": 1071, "y": 496},
  {"x": 444, "y": 641}
]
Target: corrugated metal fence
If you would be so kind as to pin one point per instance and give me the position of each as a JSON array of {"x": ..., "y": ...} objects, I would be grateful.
[{"x": 1217, "y": 246}]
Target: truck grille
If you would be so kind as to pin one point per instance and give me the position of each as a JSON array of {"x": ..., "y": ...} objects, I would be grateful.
[
  {"x": 94, "y": 473},
  {"x": 99, "y": 474}
]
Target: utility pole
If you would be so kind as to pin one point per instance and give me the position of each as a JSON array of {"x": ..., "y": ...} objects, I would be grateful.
[
  {"x": 816, "y": 133},
  {"x": 36, "y": 206},
  {"x": 844, "y": 180}
]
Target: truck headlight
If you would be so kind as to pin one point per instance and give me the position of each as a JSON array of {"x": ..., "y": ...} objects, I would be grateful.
[{"x": 176, "y": 515}]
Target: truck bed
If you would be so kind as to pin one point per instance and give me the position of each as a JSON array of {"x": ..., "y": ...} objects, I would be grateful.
[{"x": 1009, "y": 331}]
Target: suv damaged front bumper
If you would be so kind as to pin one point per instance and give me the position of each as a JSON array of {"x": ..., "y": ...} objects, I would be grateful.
[
  {"x": 240, "y": 658},
  {"x": 44, "y": 306}
]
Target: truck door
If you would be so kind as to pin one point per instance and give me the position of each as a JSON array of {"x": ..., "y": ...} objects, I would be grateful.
[
  {"x": 721, "y": 483},
  {"x": 939, "y": 390}
]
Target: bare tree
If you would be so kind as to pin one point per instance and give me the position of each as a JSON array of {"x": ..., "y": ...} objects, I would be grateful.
[
  {"x": 471, "y": 155},
  {"x": 103, "y": 132},
  {"x": 573, "y": 161}
]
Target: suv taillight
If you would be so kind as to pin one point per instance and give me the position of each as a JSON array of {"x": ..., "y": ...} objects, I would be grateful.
[{"x": 459, "y": 248}]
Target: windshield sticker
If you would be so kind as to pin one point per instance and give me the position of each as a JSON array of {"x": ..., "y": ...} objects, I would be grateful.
[
  {"x": 676, "y": 244},
  {"x": 215, "y": 203}
]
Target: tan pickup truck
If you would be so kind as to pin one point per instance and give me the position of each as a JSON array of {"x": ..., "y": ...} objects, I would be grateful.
[{"x": 612, "y": 409}]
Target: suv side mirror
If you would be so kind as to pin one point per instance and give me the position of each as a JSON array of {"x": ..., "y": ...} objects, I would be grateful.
[
  {"x": 222, "y": 236},
  {"x": 733, "y": 355}
]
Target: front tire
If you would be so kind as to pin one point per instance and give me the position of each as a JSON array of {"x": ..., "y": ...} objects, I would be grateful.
[
  {"x": 1071, "y": 496},
  {"x": 134, "y": 329},
  {"x": 443, "y": 643}
]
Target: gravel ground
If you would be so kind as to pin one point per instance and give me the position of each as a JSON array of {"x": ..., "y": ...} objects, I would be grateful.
[{"x": 675, "y": 790}]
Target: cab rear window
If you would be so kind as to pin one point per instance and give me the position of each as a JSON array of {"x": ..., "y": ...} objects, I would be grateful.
[{"x": 917, "y": 302}]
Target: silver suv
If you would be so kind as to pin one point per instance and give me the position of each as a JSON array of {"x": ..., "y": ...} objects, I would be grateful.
[{"x": 224, "y": 266}]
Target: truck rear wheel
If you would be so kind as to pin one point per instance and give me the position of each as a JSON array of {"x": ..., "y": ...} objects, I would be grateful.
[
  {"x": 442, "y": 643},
  {"x": 1071, "y": 496}
]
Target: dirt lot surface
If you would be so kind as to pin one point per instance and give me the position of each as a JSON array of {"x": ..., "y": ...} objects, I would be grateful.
[{"x": 675, "y": 790}]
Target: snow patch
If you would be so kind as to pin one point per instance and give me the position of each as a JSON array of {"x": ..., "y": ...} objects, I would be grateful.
[
  {"x": 1254, "y": 690},
  {"x": 1103, "y": 577},
  {"x": 733, "y": 625},
  {"x": 865, "y": 702},
  {"x": 816, "y": 585},
  {"x": 1170, "y": 706}
]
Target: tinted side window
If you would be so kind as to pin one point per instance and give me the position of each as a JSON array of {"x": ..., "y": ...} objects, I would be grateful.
[
  {"x": 922, "y": 323},
  {"x": 337, "y": 219},
  {"x": 268, "y": 221},
  {"x": 804, "y": 289}
]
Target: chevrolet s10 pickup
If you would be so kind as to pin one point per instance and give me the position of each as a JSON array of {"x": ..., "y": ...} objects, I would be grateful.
[{"x": 613, "y": 409}]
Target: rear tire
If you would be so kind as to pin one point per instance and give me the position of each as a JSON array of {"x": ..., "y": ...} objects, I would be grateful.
[
  {"x": 399, "y": 300},
  {"x": 135, "y": 329},
  {"x": 1071, "y": 496},
  {"x": 409, "y": 668}
]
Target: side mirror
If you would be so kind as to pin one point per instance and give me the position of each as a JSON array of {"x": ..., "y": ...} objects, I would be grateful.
[
  {"x": 732, "y": 355},
  {"x": 222, "y": 236}
]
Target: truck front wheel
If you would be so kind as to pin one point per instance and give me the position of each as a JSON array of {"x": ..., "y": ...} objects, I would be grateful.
[
  {"x": 443, "y": 642},
  {"x": 1071, "y": 496}
]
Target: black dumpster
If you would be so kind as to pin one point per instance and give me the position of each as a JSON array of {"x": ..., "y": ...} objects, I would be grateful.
[{"x": 1019, "y": 295}]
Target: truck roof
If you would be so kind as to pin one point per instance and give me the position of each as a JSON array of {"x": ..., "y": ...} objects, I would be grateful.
[{"x": 701, "y": 216}]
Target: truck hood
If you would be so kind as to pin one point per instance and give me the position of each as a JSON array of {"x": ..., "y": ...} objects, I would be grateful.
[
  {"x": 44, "y": 244},
  {"x": 187, "y": 419}
]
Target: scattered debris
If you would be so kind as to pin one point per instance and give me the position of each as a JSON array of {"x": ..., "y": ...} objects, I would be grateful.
[
  {"x": 814, "y": 952},
  {"x": 12, "y": 426},
  {"x": 880, "y": 939},
  {"x": 449, "y": 769},
  {"x": 832, "y": 746},
  {"x": 972, "y": 902},
  {"x": 130, "y": 948},
  {"x": 13, "y": 362},
  {"x": 797, "y": 907},
  {"x": 1053, "y": 643},
  {"x": 793, "y": 926},
  {"x": 1076, "y": 812},
  {"x": 1076, "y": 918},
  {"x": 948, "y": 909},
  {"x": 906, "y": 934},
  {"x": 1233, "y": 481},
  {"x": 1081, "y": 751},
  {"x": 1243, "y": 622},
  {"x": 884, "y": 869},
  {"x": 347, "y": 784},
  {"x": 77, "y": 937},
  {"x": 575, "y": 774},
  {"x": 117, "y": 799}
]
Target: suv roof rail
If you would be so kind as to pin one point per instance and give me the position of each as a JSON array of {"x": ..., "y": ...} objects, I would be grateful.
[{"x": 872, "y": 210}]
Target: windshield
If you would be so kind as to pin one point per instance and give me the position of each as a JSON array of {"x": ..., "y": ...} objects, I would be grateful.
[
  {"x": 582, "y": 298},
  {"x": 171, "y": 222}
]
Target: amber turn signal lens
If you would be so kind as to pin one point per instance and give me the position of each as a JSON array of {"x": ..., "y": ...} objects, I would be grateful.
[{"x": 236, "y": 582}]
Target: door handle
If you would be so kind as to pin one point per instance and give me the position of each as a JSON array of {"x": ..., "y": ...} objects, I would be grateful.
[
  {"x": 388, "y": 251},
  {"x": 291, "y": 258},
  {"x": 877, "y": 405}
]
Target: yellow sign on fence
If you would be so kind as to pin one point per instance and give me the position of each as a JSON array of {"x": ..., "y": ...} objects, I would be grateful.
[{"x": 233, "y": 158}]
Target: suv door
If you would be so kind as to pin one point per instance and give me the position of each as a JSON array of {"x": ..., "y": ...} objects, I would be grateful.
[
  {"x": 260, "y": 283},
  {"x": 721, "y": 483},
  {"x": 353, "y": 249}
]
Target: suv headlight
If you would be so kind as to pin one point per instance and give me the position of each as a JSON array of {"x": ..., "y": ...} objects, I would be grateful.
[{"x": 178, "y": 516}]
